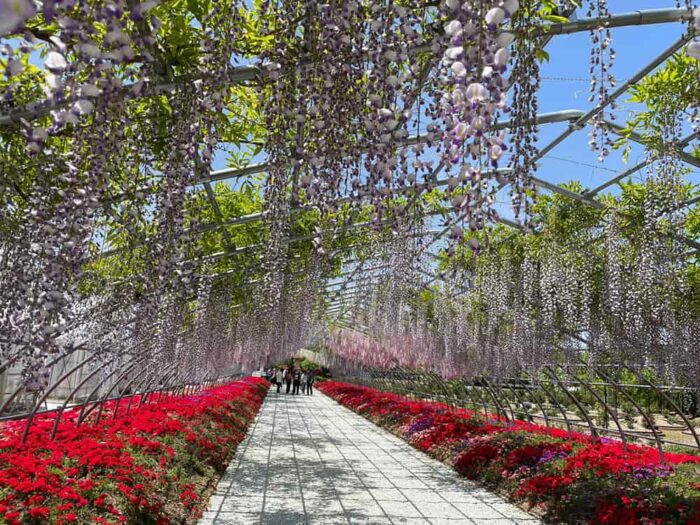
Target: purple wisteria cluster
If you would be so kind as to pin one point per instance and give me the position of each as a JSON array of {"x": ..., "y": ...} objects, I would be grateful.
[
  {"x": 106, "y": 166},
  {"x": 359, "y": 89},
  {"x": 602, "y": 79},
  {"x": 472, "y": 92},
  {"x": 693, "y": 48}
]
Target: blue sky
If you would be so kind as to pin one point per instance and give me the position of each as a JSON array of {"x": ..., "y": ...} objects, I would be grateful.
[{"x": 565, "y": 86}]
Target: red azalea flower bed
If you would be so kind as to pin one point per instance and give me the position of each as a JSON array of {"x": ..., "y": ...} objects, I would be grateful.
[
  {"x": 152, "y": 466},
  {"x": 570, "y": 479}
]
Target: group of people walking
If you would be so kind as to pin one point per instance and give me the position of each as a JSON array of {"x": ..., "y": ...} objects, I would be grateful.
[{"x": 294, "y": 378}]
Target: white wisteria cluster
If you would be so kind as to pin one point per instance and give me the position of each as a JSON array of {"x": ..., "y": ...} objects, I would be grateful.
[
  {"x": 471, "y": 93},
  {"x": 619, "y": 301},
  {"x": 602, "y": 79},
  {"x": 693, "y": 48}
]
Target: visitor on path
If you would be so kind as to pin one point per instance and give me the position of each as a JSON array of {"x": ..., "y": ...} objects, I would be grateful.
[
  {"x": 297, "y": 381},
  {"x": 304, "y": 380},
  {"x": 288, "y": 379},
  {"x": 278, "y": 379},
  {"x": 310, "y": 384}
]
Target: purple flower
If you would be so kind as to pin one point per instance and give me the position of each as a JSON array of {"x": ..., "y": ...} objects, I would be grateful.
[
  {"x": 419, "y": 425},
  {"x": 551, "y": 455},
  {"x": 13, "y": 15}
]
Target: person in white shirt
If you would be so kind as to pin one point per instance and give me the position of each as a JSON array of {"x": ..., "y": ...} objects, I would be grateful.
[
  {"x": 278, "y": 380},
  {"x": 304, "y": 379}
]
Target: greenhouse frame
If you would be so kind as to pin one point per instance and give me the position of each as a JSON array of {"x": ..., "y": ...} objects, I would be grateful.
[{"x": 474, "y": 224}]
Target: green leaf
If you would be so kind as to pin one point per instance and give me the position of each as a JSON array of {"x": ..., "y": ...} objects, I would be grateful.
[
  {"x": 199, "y": 8},
  {"x": 556, "y": 19}
]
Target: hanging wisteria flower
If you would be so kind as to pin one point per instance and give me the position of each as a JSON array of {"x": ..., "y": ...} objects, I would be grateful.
[
  {"x": 693, "y": 49},
  {"x": 55, "y": 62},
  {"x": 13, "y": 15},
  {"x": 602, "y": 79}
]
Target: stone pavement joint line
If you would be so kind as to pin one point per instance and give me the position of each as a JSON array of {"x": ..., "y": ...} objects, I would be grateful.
[{"x": 307, "y": 460}]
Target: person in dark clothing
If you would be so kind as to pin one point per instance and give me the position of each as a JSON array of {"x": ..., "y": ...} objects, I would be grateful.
[
  {"x": 297, "y": 381},
  {"x": 310, "y": 384},
  {"x": 288, "y": 380}
]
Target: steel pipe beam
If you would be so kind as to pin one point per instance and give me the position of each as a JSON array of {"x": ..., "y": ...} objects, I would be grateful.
[
  {"x": 234, "y": 173},
  {"x": 634, "y": 18},
  {"x": 634, "y": 169},
  {"x": 36, "y": 110},
  {"x": 636, "y": 137}
]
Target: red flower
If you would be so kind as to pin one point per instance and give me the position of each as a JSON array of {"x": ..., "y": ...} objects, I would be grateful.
[
  {"x": 84, "y": 463},
  {"x": 40, "y": 512},
  {"x": 473, "y": 460},
  {"x": 547, "y": 485},
  {"x": 576, "y": 478}
]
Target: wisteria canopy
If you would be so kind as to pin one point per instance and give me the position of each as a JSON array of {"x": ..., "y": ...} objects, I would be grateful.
[{"x": 191, "y": 189}]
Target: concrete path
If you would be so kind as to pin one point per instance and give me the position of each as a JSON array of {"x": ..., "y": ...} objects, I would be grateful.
[{"x": 308, "y": 460}]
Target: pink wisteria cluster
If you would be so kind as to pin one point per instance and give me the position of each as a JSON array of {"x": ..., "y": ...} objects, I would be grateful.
[{"x": 408, "y": 347}]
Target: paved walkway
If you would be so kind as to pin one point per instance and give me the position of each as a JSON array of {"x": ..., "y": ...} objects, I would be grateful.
[{"x": 308, "y": 460}]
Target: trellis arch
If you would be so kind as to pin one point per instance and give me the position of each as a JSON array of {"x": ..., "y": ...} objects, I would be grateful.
[{"x": 123, "y": 252}]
